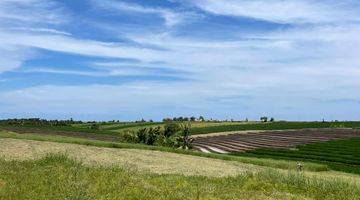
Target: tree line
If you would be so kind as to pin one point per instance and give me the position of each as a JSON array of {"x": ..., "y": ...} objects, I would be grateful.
[{"x": 38, "y": 122}]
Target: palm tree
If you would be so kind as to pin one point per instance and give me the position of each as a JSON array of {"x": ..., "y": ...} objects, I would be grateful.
[{"x": 185, "y": 140}]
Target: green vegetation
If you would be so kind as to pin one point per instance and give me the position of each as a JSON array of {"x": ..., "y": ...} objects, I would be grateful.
[
  {"x": 57, "y": 177},
  {"x": 171, "y": 135},
  {"x": 197, "y": 127},
  {"x": 281, "y": 164},
  {"x": 272, "y": 126},
  {"x": 341, "y": 155},
  {"x": 38, "y": 122}
]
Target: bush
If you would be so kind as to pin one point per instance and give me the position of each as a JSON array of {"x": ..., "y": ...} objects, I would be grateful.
[
  {"x": 129, "y": 136},
  {"x": 95, "y": 126},
  {"x": 142, "y": 135},
  {"x": 152, "y": 135},
  {"x": 171, "y": 128}
]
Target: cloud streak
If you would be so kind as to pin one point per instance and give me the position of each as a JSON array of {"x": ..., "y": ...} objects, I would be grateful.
[
  {"x": 279, "y": 11},
  {"x": 170, "y": 17}
]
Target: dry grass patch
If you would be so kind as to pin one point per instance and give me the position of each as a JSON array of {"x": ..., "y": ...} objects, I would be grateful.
[
  {"x": 144, "y": 160},
  {"x": 2, "y": 184}
]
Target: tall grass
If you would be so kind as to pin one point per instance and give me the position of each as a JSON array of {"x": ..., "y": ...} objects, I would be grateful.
[{"x": 57, "y": 177}]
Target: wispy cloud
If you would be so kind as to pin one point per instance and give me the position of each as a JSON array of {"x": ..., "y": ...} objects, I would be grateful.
[
  {"x": 78, "y": 46},
  {"x": 279, "y": 11},
  {"x": 31, "y": 11},
  {"x": 170, "y": 17},
  {"x": 40, "y": 30},
  {"x": 13, "y": 15}
]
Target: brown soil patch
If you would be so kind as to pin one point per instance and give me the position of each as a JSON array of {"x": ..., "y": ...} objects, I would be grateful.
[{"x": 248, "y": 140}]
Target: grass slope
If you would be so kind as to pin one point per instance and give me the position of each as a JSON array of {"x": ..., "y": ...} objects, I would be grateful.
[
  {"x": 57, "y": 177},
  {"x": 143, "y": 160},
  {"x": 281, "y": 164}
]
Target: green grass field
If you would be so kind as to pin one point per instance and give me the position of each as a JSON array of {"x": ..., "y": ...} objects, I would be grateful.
[
  {"x": 272, "y": 126},
  {"x": 343, "y": 155},
  {"x": 58, "y": 177}
]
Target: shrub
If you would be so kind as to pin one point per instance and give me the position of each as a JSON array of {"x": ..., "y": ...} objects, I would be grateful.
[
  {"x": 153, "y": 135},
  {"x": 129, "y": 136},
  {"x": 171, "y": 128},
  {"x": 142, "y": 135},
  {"x": 95, "y": 126}
]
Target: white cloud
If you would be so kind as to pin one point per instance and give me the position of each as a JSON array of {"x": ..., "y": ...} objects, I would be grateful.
[
  {"x": 13, "y": 15},
  {"x": 171, "y": 17},
  {"x": 31, "y": 12},
  {"x": 40, "y": 30},
  {"x": 13, "y": 56},
  {"x": 77, "y": 46},
  {"x": 289, "y": 11}
]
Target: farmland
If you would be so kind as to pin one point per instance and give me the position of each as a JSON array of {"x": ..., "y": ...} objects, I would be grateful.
[
  {"x": 117, "y": 128},
  {"x": 88, "y": 172},
  {"x": 257, "y": 161},
  {"x": 341, "y": 155},
  {"x": 238, "y": 142},
  {"x": 338, "y": 148}
]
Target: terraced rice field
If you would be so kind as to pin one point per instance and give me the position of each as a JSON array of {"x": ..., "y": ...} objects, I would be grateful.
[{"x": 234, "y": 143}]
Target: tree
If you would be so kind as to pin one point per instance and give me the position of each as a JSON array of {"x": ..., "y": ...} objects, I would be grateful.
[
  {"x": 192, "y": 118},
  {"x": 272, "y": 119},
  {"x": 95, "y": 126},
  {"x": 201, "y": 118},
  {"x": 264, "y": 119},
  {"x": 168, "y": 120},
  {"x": 185, "y": 141}
]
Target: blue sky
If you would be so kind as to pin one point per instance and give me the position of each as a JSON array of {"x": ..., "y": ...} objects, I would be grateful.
[{"x": 126, "y": 60}]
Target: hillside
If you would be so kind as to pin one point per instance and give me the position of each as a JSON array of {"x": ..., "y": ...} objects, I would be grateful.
[{"x": 118, "y": 173}]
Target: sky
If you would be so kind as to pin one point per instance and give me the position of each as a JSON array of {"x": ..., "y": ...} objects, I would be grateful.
[{"x": 151, "y": 59}]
